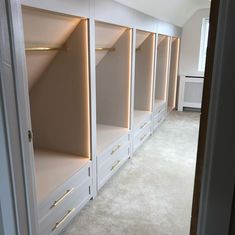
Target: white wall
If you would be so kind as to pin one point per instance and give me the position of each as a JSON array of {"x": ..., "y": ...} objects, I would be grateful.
[{"x": 190, "y": 44}]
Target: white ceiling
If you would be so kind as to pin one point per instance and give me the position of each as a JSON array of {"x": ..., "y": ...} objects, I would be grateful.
[{"x": 173, "y": 11}]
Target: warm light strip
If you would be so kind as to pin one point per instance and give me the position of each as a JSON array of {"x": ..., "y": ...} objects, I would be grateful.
[
  {"x": 152, "y": 68},
  {"x": 130, "y": 77},
  {"x": 88, "y": 90},
  {"x": 167, "y": 67},
  {"x": 176, "y": 70}
]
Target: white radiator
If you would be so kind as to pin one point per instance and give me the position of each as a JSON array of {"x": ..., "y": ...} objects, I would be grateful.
[{"x": 190, "y": 92}]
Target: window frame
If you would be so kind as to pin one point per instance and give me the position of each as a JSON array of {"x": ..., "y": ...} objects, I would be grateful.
[{"x": 203, "y": 44}]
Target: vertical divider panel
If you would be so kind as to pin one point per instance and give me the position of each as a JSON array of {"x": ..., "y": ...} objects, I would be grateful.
[
  {"x": 132, "y": 89},
  {"x": 168, "y": 67},
  {"x": 93, "y": 102},
  {"x": 154, "y": 79}
]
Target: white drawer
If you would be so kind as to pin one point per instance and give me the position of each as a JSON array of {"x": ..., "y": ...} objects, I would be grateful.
[
  {"x": 159, "y": 119},
  {"x": 142, "y": 136},
  {"x": 62, "y": 215},
  {"x": 114, "y": 149},
  {"x": 160, "y": 110},
  {"x": 106, "y": 170},
  {"x": 142, "y": 125},
  {"x": 64, "y": 192}
]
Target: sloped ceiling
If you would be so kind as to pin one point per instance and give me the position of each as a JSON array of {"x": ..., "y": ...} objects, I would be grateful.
[
  {"x": 141, "y": 36},
  {"x": 106, "y": 35},
  {"x": 44, "y": 29},
  {"x": 176, "y": 12}
]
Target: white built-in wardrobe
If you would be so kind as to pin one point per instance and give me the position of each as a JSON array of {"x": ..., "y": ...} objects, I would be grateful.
[
  {"x": 143, "y": 86},
  {"x": 98, "y": 87},
  {"x": 56, "y": 49},
  {"x": 113, "y": 78}
]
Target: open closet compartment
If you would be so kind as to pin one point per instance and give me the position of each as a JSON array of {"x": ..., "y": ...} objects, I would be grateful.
[
  {"x": 173, "y": 75},
  {"x": 56, "y": 49},
  {"x": 161, "y": 79},
  {"x": 113, "y": 78},
  {"x": 144, "y": 70}
]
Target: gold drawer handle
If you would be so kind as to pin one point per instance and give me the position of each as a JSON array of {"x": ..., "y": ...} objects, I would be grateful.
[
  {"x": 115, "y": 165},
  {"x": 62, "y": 198},
  {"x": 116, "y": 149},
  {"x": 143, "y": 137},
  {"x": 57, "y": 225},
  {"x": 143, "y": 125}
]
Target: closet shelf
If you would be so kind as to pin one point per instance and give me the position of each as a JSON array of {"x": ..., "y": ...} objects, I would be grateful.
[
  {"x": 53, "y": 169},
  {"x": 140, "y": 115},
  {"x": 107, "y": 134}
]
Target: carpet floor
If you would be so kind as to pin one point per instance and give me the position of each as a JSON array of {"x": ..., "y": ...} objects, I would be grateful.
[{"x": 152, "y": 193}]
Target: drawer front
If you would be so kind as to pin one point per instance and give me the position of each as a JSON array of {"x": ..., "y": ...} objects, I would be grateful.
[
  {"x": 158, "y": 120},
  {"x": 62, "y": 215},
  {"x": 114, "y": 149},
  {"x": 64, "y": 192},
  {"x": 142, "y": 125},
  {"x": 160, "y": 107},
  {"x": 106, "y": 170},
  {"x": 160, "y": 110},
  {"x": 141, "y": 137}
]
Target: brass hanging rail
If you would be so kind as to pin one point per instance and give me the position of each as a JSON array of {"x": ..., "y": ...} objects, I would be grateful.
[
  {"x": 45, "y": 49},
  {"x": 105, "y": 49},
  {"x": 138, "y": 48}
]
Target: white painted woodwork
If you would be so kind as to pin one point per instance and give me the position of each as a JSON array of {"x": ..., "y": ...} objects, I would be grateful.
[
  {"x": 60, "y": 99},
  {"x": 142, "y": 136},
  {"x": 112, "y": 165},
  {"x": 190, "y": 92},
  {"x": 60, "y": 110},
  {"x": 78, "y": 198},
  {"x": 140, "y": 116},
  {"x": 107, "y": 135},
  {"x": 64, "y": 191},
  {"x": 159, "y": 119},
  {"x": 113, "y": 148},
  {"x": 159, "y": 103}
]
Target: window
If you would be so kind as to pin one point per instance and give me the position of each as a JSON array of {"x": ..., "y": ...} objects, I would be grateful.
[{"x": 203, "y": 44}]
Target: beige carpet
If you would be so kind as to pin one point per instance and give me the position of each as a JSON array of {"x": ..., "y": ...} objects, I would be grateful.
[{"x": 152, "y": 193}]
